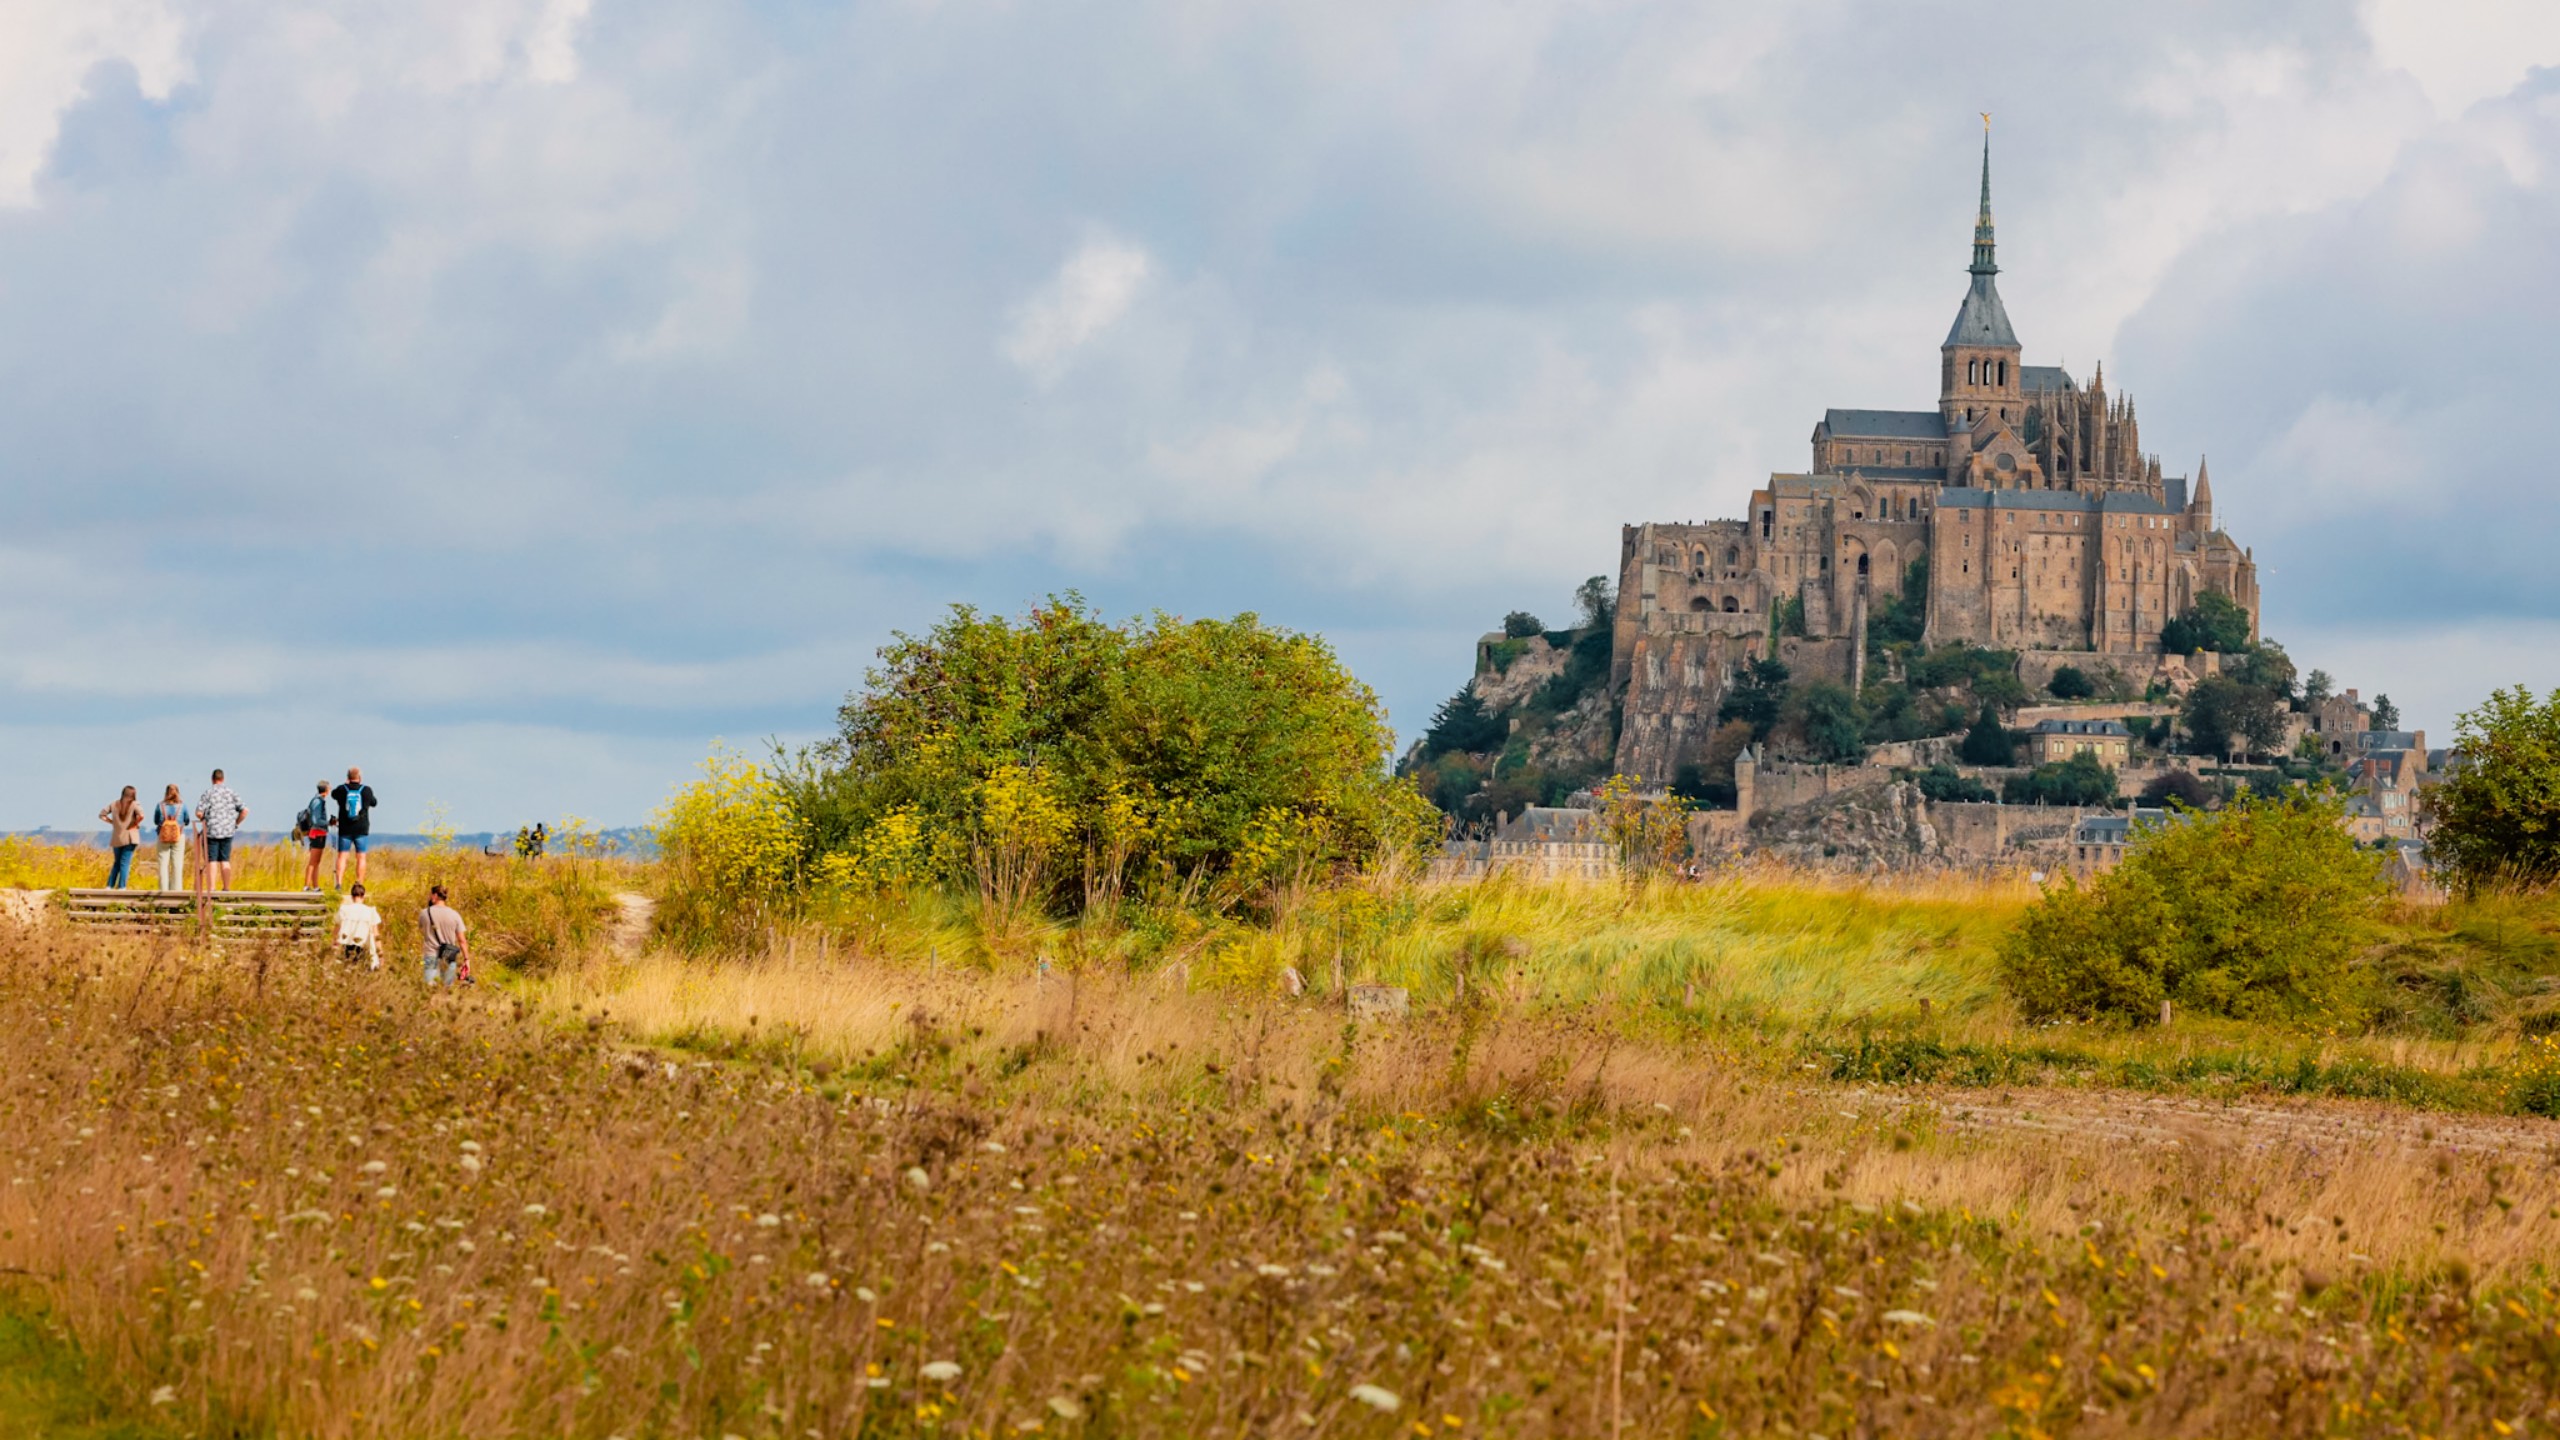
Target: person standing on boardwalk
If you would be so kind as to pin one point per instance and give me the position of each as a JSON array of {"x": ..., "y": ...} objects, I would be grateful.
[
  {"x": 355, "y": 821},
  {"x": 170, "y": 818},
  {"x": 222, "y": 813},
  {"x": 448, "y": 940},
  {"x": 359, "y": 930},
  {"x": 312, "y": 828},
  {"x": 124, "y": 834}
]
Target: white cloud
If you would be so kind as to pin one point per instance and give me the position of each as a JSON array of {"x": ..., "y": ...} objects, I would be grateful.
[
  {"x": 2464, "y": 51},
  {"x": 1089, "y": 294},
  {"x": 47, "y": 52}
]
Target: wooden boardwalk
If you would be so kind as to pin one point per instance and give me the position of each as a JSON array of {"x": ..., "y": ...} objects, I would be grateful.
[{"x": 230, "y": 914}]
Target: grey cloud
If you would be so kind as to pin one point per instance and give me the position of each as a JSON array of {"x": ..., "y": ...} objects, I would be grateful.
[{"x": 638, "y": 397}]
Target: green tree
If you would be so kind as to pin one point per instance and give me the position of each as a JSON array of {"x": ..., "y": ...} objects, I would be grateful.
[
  {"x": 1787, "y": 616},
  {"x": 2386, "y": 716},
  {"x": 2223, "y": 717},
  {"x": 2264, "y": 666},
  {"x": 2254, "y": 911},
  {"x": 2177, "y": 787},
  {"x": 2496, "y": 812},
  {"x": 2316, "y": 687},
  {"x": 1757, "y": 697},
  {"x": 1463, "y": 724},
  {"x": 2081, "y": 780},
  {"x": 1520, "y": 625},
  {"x": 1596, "y": 602},
  {"x": 1988, "y": 742},
  {"x": 1833, "y": 726},
  {"x": 2214, "y": 622},
  {"x": 2069, "y": 683}
]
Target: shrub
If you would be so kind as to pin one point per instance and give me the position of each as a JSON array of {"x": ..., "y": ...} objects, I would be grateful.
[
  {"x": 731, "y": 844},
  {"x": 1942, "y": 782},
  {"x": 1520, "y": 625},
  {"x": 2252, "y": 912},
  {"x": 2497, "y": 813},
  {"x": 2069, "y": 683}
]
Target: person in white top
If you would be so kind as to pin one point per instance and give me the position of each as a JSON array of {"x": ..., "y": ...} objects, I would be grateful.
[{"x": 359, "y": 929}]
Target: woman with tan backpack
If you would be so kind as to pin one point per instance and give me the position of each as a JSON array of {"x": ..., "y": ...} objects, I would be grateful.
[{"x": 170, "y": 816}]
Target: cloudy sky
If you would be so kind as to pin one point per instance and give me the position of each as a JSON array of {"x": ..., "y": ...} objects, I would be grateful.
[{"x": 514, "y": 396}]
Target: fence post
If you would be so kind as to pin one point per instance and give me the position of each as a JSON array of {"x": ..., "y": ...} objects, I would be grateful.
[{"x": 2164, "y": 1014}]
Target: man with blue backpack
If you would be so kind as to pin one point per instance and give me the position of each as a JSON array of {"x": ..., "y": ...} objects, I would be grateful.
[
  {"x": 312, "y": 828},
  {"x": 355, "y": 821}
]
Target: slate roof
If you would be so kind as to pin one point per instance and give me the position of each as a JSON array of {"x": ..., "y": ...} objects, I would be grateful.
[
  {"x": 1885, "y": 424},
  {"x": 1982, "y": 319},
  {"x": 2045, "y": 377},
  {"x": 2082, "y": 727},
  {"x": 2115, "y": 829}
]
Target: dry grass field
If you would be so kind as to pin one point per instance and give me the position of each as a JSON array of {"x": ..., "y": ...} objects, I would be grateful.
[{"x": 886, "y": 1180}]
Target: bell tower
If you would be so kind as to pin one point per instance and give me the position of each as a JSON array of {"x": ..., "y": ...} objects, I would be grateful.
[{"x": 1978, "y": 372}]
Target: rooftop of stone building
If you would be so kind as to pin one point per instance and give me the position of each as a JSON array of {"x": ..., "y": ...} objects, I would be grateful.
[
  {"x": 2115, "y": 829},
  {"x": 1549, "y": 823},
  {"x": 2033, "y": 378},
  {"x": 2082, "y": 727},
  {"x": 1885, "y": 424}
]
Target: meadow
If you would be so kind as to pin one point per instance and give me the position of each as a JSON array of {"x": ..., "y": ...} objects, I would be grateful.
[{"x": 1679, "y": 1160}]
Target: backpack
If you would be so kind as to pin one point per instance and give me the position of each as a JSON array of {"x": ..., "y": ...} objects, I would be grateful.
[
  {"x": 352, "y": 807},
  {"x": 315, "y": 816}
]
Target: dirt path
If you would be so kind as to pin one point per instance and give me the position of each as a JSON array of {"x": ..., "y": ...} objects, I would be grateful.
[
  {"x": 632, "y": 913},
  {"x": 22, "y": 907},
  {"x": 2124, "y": 1116}
]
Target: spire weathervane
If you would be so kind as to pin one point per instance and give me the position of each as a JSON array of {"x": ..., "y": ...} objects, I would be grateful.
[{"x": 1982, "y": 264}]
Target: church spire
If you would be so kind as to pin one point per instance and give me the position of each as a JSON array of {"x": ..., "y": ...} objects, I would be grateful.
[{"x": 1982, "y": 223}]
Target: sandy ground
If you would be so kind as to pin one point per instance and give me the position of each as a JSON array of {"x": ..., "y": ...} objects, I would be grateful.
[
  {"x": 2124, "y": 1116},
  {"x": 22, "y": 907}
]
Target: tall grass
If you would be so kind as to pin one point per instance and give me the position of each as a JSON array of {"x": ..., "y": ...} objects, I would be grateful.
[{"x": 289, "y": 1199}]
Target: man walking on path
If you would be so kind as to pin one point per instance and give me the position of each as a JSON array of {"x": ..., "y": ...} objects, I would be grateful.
[
  {"x": 124, "y": 835},
  {"x": 311, "y": 827},
  {"x": 222, "y": 813},
  {"x": 355, "y": 821},
  {"x": 359, "y": 930},
  {"x": 448, "y": 942}
]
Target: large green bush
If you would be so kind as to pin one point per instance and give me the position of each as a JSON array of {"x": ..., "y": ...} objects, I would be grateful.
[
  {"x": 2252, "y": 912},
  {"x": 1202, "y": 757}
]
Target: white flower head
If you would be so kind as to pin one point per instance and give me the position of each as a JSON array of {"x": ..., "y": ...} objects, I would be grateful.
[
  {"x": 817, "y": 1280},
  {"x": 918, "y": 1179},
  {"x": 1376, "y": 1397},
  {"x": 941, "y": 1372}
]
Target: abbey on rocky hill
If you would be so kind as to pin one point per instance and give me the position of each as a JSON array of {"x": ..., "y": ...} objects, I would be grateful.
[{"x": 2024, "y": 504}]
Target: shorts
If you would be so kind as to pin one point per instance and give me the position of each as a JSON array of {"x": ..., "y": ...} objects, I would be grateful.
[
  {"x": 319, "y": 839},
  {"x": 217, "y": 849},
  {"x": 361, "y": 844}
]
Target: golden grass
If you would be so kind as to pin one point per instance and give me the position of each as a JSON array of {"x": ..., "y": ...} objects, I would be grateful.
[{"x": 312, "y": 1201}]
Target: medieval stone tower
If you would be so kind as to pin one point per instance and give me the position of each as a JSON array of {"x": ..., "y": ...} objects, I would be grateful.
[{"x": 2022, "y": 514}]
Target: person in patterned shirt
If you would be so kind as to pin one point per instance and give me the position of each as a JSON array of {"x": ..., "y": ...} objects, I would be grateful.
[{"x": 222, "y": 813}]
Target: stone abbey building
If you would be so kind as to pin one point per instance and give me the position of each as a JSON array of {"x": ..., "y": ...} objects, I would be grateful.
[{"x": 2023, "y": 506}]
